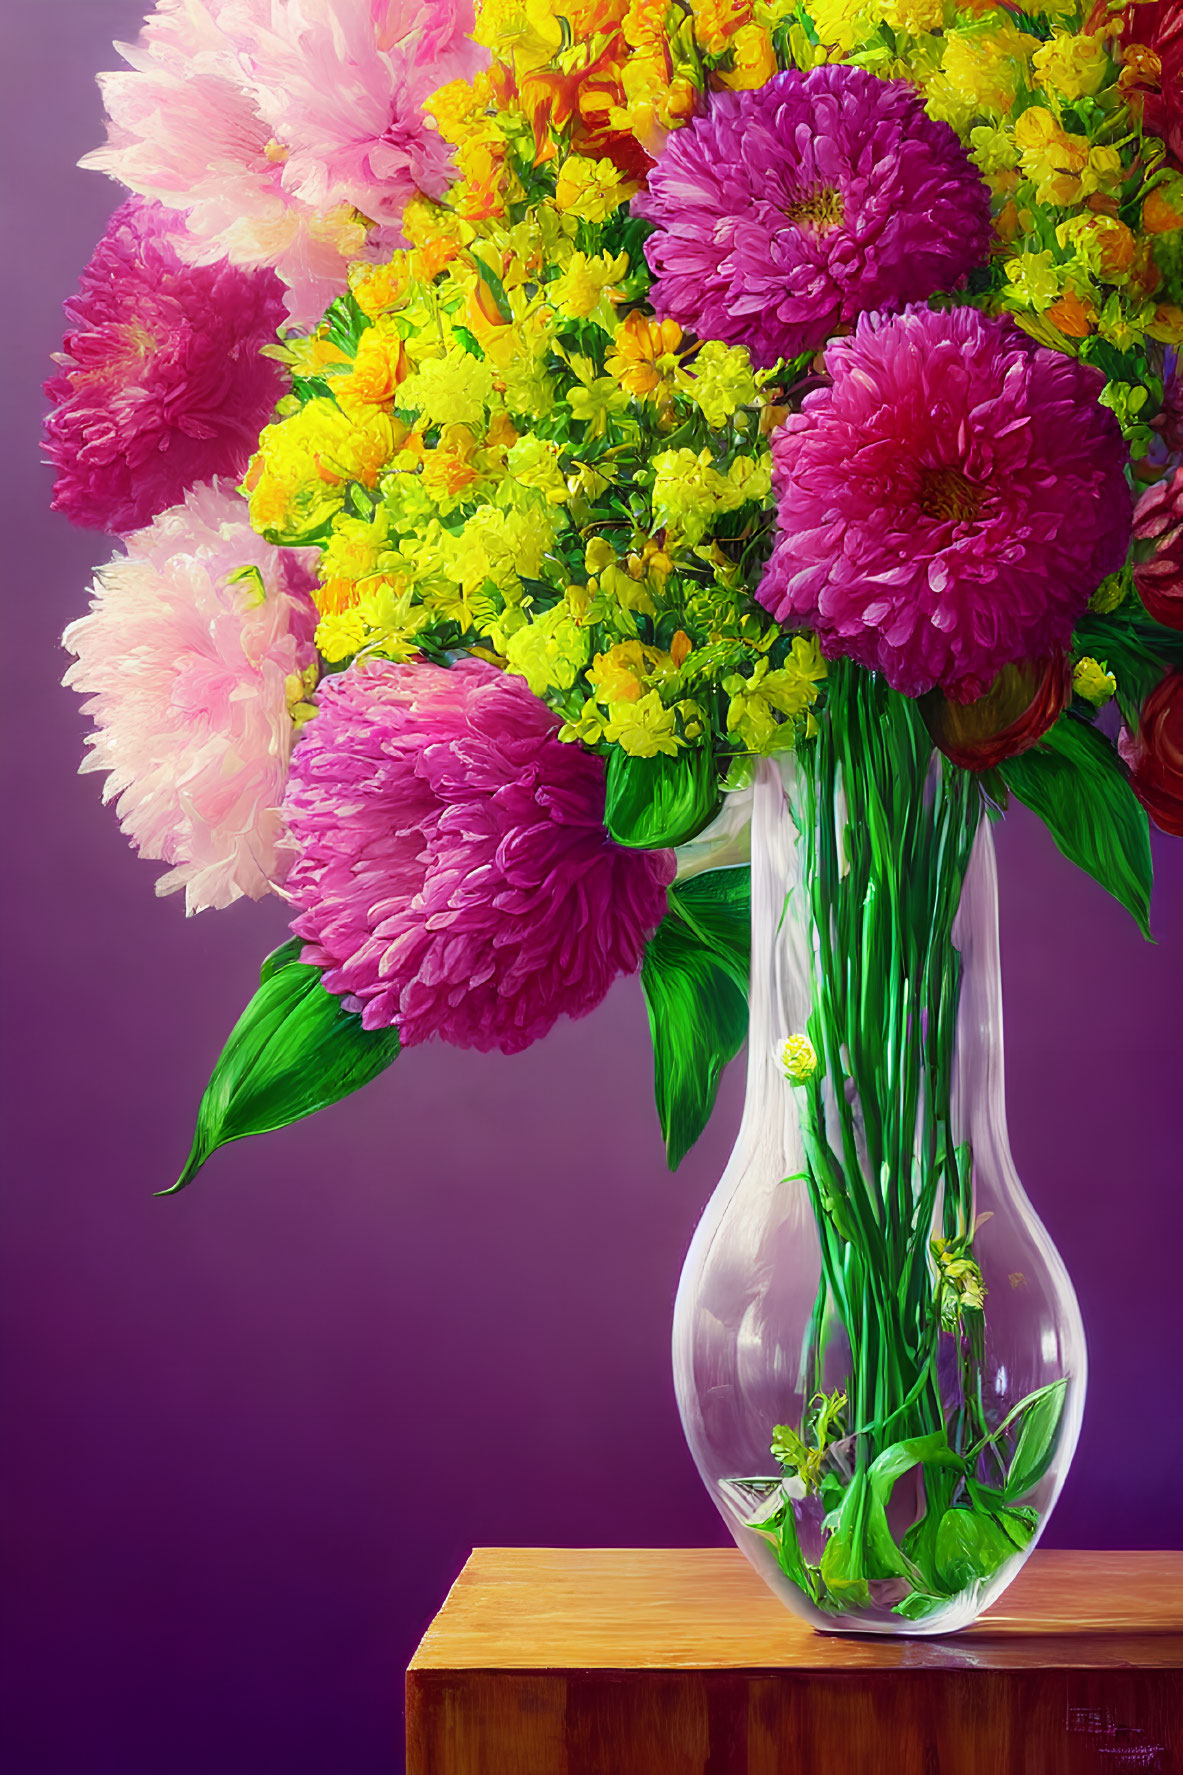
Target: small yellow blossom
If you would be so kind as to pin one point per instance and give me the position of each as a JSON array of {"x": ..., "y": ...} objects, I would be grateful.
[
  {"x": 534, "y": 462},
  {"x": 583, "y": 284},
  {"x": 1035, "y": 280},
  {"x": 840, "y": 24},
  {"x": 451, "y": 390},
  {"x": 720, "y": 381},
  {"x": 1102, "y": 244},
  {"x": 689, "y": 492},
  {"x": 1074, "y": 66},
  {"x": 992, "y": 149},
  {"x": 339, "y": 636},
  {"x": 378, "y": 288},
  {"x": 765, "y": 708},
  {"x": 550, "y": 652},
  {"x": 643, "y": 728},
  {"x": 984, "y": 65},
  {"x": 799, "y": 1059},
  {"x": 1093, "y": 680},
  {"x": 591, "y": 189},
  {"x": 914, "y": 17}
]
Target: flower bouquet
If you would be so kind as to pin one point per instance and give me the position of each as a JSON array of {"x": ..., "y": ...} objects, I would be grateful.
[{"x": 604, "y": 483}]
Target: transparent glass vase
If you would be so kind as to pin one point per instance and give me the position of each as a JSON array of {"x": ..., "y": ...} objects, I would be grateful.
[{"x": 916, "y": 1354}]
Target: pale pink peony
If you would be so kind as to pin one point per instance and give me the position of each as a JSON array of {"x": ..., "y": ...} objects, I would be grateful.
[
  {"x": 948, "y": 503},
  {"x": 190, "y": 676},
  {"x": 454, "y": 873},
  {"x": 282, "y": 128}
]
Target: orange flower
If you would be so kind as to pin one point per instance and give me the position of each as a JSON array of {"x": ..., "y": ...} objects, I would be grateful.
[
  {"x": 637, "y": 349},
  {"x": 1072, "y": 315},
  {"x": 1163, "y": 210}
]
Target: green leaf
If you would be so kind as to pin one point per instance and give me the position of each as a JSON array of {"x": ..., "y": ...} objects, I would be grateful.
[
  {"x": 919, "y": 1605},
  {"x": 781, "y": 1530},
  {"x": 1037, "y": 1440},
  {"x": 970, "y": 1546},
  {"x": 843, "y": 1565},
  {"x": 884, "y": 1558},
  {"x": 717, "y": 905},
  {"x": 294, "y": 1050},
  {"x": 1075, "y": 781},
  {"x": 695, "y": 979},
  {"x": 283, "y": 957},
  {"x": 654, "y": 803}
]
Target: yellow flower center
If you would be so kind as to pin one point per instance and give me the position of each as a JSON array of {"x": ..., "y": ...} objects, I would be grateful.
[
  {"x": 947, "y": 493},
  {"x": 822, "y": 209}
]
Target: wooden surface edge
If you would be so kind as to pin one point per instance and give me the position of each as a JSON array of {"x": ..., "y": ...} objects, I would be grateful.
[{"x": 654, "y": 1609}]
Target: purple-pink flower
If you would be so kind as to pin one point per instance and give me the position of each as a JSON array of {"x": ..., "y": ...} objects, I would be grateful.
[
  {"x": 948, "y": 505},
  {"x": 786, "y": 211},
  {"x": 192, "y": 659},
  {"x": 162, "y": 383},
  {"x": 454, "y": 874},
  {"x": 285, "y": 130}
]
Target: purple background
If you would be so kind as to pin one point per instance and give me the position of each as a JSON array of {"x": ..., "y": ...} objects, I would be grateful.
[{"x": 252, "y": 1432}]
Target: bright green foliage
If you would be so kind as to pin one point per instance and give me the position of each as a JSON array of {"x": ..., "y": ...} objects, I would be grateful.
[
  {"x": 695, "y": 977},
  {"x": 294, "y": 1050},
  {"x": 654, "y": 803},
  {"x": 1075, "y": 781}
]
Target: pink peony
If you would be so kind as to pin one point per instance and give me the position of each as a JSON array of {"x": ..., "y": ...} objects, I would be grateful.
[
  {"x": 949, "y": 504},
  {"x": 191, "y": 674},
  {"x": 786, "y": 211},
  {"x": 282, "y": 128},
  {"x": 454, "y": 874},
  {"x": 162, "y": 384}
]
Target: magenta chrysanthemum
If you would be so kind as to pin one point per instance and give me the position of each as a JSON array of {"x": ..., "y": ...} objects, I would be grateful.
[
  {"x": 786, "y": 211},
  {"x": 949, "y": 504},
  {"x": 191, "y": 675},
  {"x": 454, "y": 873},
  {"x": 162, "y": 384},
  {"x": 283, "y": 128}
]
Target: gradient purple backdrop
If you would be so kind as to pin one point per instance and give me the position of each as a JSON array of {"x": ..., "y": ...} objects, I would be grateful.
[{"x": 252, "y": 1432}]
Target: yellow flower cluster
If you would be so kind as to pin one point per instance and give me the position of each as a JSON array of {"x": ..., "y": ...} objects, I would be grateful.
[
  {"x": 478, "y": 436},
  {"x": 1084, "y": 208}
]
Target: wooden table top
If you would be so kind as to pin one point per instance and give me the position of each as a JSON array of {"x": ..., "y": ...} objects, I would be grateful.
[{"x": 542, "y": 1608}]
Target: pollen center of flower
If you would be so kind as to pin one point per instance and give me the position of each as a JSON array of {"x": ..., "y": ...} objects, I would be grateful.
[
  {"x": 947, "y": 493},
  {"x": 821, "y": 208}
]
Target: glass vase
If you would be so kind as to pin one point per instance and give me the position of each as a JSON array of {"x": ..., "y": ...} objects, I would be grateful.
[{"x": 878, "y": 1354}]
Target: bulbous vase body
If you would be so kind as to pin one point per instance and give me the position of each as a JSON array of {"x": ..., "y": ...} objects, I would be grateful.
[{"x": 878, "y": 1354}]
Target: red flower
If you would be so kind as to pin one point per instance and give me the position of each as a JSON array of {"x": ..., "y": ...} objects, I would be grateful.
[
  {"x": 1019, "y": 707},
  {"x": 1159, "y": 518},
  {"x": 1153, "y": 75},
  {"x": 1155, "y": 755}
]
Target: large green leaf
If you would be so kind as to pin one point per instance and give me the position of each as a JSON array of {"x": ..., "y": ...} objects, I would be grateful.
[
  {"x": 1075, "y": 781},
  {"x": 843, "y": 1562},
  {"x": 695, "y": 978},
  {"x": 654, "y": 803},
  {"x": 970, "y": 1546},
  {"x": 884, "y": 1558},
  {"x": 1037, "y": 1440},
  {"x": 294, "y": 1050}
]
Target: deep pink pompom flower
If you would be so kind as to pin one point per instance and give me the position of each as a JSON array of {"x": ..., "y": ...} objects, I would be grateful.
[
  {"x": 948, "y": 505},
  {"x": 786, "y": 211},
  {"x": 161, "y": 384},
  {"x": 453, "y": 870}
]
